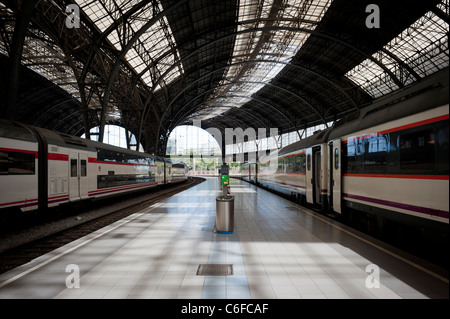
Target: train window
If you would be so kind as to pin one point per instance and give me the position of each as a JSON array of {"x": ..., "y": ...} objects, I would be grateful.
[
  {"x": 303, "y": 163},
  {"x": 83, "y": 165},
  {"x": 297, "y": 164},
  {"x": 300, "y": 163},
  {"x": 351, "y": 156},
  {"x": 22, "y": 164},
  {"x": 73, "y": 168},
  {"x": 290, "y": 164},
  {"x": 4, "y": 163},
  {"x": 375, "y": 153},
  {"x": 280, "y": 165},
  {"x": 308, "y": 162},
  {"x": 336, "y": 158},
  {"x": 112, "y": 180},
  {"x": 360, "y": 142},
  {"x": 16, "y": 163},
  {"x": 417, "y": 150}
]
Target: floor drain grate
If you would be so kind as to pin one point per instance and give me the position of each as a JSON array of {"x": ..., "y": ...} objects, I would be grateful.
[{"x": 215, "y": 270}]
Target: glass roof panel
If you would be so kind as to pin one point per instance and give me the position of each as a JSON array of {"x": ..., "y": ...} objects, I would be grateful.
[
  {"x": 96, "y": 12},
  {"x": 422, "y": 47},
  {"x": 48, "y": 60},
  {"x": 277, "y": 45},
  {"x": 152, "y": 44}
]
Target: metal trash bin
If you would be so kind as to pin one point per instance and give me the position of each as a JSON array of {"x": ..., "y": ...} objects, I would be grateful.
[{"x": 225, "y": 214}]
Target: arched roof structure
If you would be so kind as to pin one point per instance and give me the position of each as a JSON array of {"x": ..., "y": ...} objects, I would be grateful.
[{"x": 152, "y": 65}]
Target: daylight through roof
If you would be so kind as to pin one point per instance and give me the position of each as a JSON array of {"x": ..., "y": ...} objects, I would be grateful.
[{"x": 149, "y": 66}]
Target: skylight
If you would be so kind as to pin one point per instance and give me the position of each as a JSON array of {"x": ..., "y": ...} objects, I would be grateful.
[
  {"x": 263, "y": 46},
  {"x": 148, "y": 55},
  {"x": 423, "y": 47}
]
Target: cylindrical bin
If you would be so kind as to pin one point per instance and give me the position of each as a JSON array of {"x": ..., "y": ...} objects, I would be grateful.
[{"x": 225, "y": 214}]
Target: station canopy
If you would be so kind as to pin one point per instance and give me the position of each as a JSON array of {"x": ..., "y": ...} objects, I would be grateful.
[{"x": 150, "y": 66}]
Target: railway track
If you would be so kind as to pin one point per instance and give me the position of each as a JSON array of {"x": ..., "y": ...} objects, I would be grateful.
[{"x": 24, "y": 242}]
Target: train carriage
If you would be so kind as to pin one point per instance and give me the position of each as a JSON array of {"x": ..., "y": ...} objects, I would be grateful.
[
  {"x": 399, "y": 168},
  {"x": 18, "y": 167},
  {"x": 385, "y": 165},
  {"x": 40, "y": 168},
  {"x": 179, "y": 171},
  {"x": 298, "y": 170}
]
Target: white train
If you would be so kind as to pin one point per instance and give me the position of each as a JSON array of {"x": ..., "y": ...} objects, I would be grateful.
[
  {"x": 385, "y": 167},
  {"x": 40, "y": 168}
]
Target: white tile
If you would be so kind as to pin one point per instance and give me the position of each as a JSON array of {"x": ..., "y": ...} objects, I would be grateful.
[
  {"x": 275, "y": 252},
  {"x": 262, "y": 292},
  {"x": 284, "y": 290}
]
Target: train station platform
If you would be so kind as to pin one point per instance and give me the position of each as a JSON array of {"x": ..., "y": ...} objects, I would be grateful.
[{"x": 277, "y": 250}]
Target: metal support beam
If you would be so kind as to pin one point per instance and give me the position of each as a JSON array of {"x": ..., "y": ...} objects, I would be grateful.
[
  {"x": 25, "y": 12},
  {"x": 268, "y": 29},
  {"x": 121, "y": 57}
]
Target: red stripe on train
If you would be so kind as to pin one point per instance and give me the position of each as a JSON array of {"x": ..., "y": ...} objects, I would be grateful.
[
  {"x": 19, "y": 151},
  {"x": 403, "y": 127},
  {"x": 58, "y": 157}
]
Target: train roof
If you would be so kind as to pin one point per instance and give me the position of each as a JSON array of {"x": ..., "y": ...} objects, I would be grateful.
[
  {"x": 11, "y": 129},
  {"x": 76, "y": 142},
  {"x": 179, "y": 164},
  {"x": 317, "y": 138}
]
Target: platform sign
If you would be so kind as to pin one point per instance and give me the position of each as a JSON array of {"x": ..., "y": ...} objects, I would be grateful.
[
  {"x": 225, "y": 179},
  {"x": 225, "y": 174}
]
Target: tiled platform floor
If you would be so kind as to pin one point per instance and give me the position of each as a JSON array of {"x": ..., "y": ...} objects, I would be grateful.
[{"x": 278, "y": 250}]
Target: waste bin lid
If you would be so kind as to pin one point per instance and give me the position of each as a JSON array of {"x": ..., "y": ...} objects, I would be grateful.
[{"x": 225, "y": 198}]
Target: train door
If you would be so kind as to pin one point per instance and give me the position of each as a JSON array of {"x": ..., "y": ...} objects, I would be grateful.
[
  {"x": 168, "y": 172},
  {"x": 336, "y": 179},
  {"x": 313, "y": 178},
  {"x": 330, "y": 173},
  {"x": 317, "y": 166},
  {"x": 159, "y": 171},
  {"x": 78, "y": 180},
  {"x": 309, "y": 177}
]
